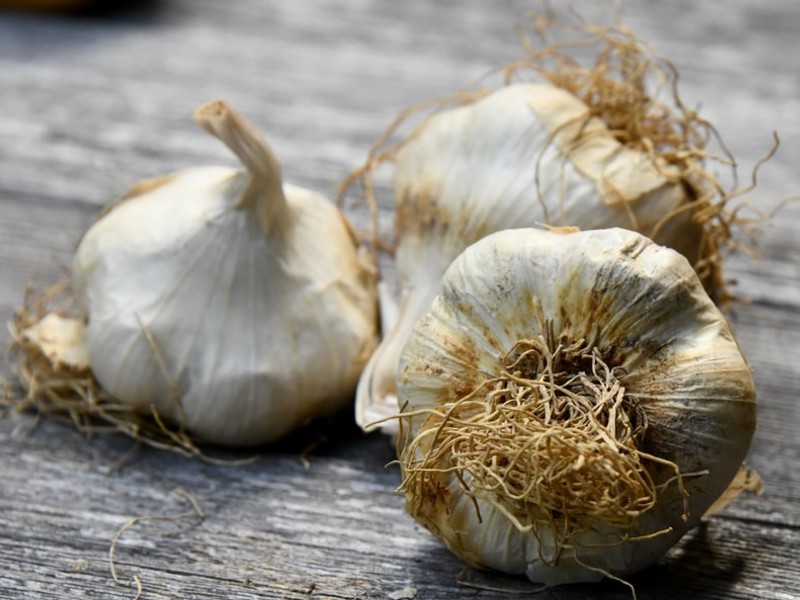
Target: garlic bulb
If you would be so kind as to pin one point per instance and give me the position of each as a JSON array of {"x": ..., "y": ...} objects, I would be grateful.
[
  {"x": 520, "y": 156},
  {"x": 239, "y": 307},
  {"x": 573, "y": 403}
]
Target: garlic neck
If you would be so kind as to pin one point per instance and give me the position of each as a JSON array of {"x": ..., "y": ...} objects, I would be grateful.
[{"x": 265, "y": 190}]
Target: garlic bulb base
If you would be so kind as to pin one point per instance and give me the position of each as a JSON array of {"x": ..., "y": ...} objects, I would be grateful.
[
  {"x": 555, "y": 394},
  {"x": 572, "y": 404}
]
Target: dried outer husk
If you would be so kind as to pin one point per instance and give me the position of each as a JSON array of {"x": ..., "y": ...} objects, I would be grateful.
[
  {"x": 589, "y": 147},
  {"x": 572, "y": 404},
  {"x": 60, "y": 339}
]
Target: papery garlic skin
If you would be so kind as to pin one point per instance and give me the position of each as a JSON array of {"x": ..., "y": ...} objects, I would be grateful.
[
  {"x": 643, "y": 308},
  {"x": 238, "y": 321},
  {"x": 62, "y": 340},
  {"x": 524, "y": 155}
]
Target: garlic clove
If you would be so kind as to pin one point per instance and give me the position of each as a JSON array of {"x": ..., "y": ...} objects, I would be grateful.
[
  {"x": 376, "y": 397},
  {"x": 573, "y": 403},
  {"x": 523, "y": 155},
  {"x": 238, "y": 306},
  {"x": 62, "y": 340}
]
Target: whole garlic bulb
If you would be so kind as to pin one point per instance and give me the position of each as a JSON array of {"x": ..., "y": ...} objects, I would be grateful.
[
  {"x": 523, "y": 155},
  {"x": 573, "y": 404},
  {"x": 238, "y": 306}
]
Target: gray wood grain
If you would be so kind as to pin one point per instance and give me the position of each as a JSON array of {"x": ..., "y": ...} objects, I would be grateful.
[{"x": 89, "y": 106}]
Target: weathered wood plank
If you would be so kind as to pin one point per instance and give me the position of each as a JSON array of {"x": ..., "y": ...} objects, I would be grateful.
[
  {"x": 91, "y": 105},
  {"x": 336, "y": 527}
]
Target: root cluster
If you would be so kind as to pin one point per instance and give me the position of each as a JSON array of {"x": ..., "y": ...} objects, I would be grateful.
[
  {"x": 634, "y": 91},
  {"x": 58, "y": 391}
]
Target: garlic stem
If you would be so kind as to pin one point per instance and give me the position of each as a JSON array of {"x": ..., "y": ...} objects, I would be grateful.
[{"x": 265, "y": 189}]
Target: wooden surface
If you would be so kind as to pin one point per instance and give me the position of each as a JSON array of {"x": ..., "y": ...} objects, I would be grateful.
[{"x": 90, "y": 105}]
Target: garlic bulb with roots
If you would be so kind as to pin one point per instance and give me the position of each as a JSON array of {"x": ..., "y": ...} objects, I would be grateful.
[
  {"x": 572, "y": 404},
  {"x": 236, "y": 306},
  {"x": 523, "y": 155}
]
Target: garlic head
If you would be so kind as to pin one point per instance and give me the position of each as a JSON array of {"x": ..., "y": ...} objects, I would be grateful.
[
  {"x": 523, "y": 155},
  {"x": 572, "y": 404},
  {"x": 239, "y": 307}
]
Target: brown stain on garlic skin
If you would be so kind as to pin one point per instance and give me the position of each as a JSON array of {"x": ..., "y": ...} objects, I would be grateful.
[
  {"x": 464, "y": 352},
  {"x": 443, "y": 228},
  {"x": 452, "y": 365},
  {"x": 139, "y": 188},
  {"x": 649, "y": 293},
  {"x": 148, "y": 185},
  {"x": 688, "y": 438},
  {"x": 433, "y": 509},
  {"x": 419, "y": 211}
]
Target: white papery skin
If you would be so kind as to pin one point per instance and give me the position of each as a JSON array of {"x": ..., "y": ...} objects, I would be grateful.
[
  {"x": 239, "y": 323},
  {"x": 644, "y": 306},
  {"x": 527, "y": 154}
]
